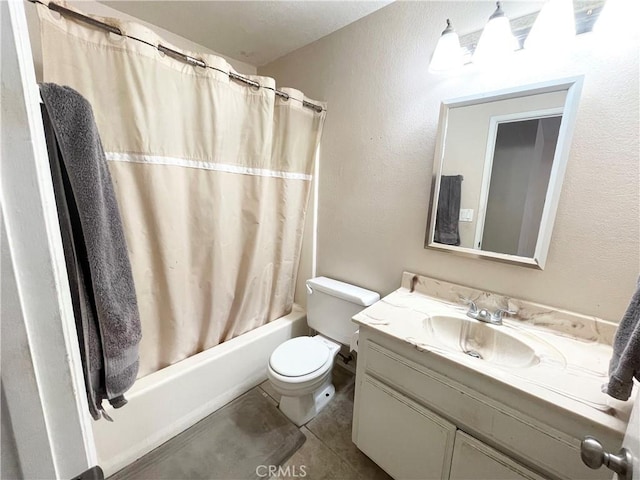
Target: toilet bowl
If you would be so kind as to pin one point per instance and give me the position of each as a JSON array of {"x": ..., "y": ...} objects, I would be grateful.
[
  {"x": 300, "y": 368},
  {"x": 300, "y": 371}
]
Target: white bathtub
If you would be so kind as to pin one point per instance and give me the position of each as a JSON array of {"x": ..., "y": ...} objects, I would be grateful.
[{"x": 169, "y": 401}]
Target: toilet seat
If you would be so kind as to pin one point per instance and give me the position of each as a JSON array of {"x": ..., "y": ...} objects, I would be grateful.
[
  {"x": 299, "y": 357},
  {"x": 300, "y": 371}
]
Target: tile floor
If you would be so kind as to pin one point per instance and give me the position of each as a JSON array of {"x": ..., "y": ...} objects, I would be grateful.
[{"x": 329, "y": 453}]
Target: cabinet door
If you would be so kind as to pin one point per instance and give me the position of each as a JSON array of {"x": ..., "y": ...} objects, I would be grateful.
[
  {"x": 473, "y": 460},
  {"x": 405, "y": 439}
]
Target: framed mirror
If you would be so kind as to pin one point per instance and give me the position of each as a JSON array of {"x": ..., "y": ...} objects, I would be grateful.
[{"x": 498, "y": 169}]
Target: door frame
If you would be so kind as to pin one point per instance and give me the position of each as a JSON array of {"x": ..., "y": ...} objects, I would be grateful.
[
  {"x": 492, "y": 136},
  {"x": 42, "y": 380}
]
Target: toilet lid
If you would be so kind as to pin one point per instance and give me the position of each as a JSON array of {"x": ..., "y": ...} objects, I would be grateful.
[{"x": 299, "y": 356}]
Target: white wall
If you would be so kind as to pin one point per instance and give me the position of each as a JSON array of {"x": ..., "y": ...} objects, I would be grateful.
[
  {"x": 95, "y": 8},
  {"x": 9, "y": 460},
  {"x": 378, "y": 146},
  {"x": 9, "y": 463}
]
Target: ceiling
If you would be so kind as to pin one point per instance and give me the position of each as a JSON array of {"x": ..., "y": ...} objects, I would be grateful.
[{"x": 255, "y": 32}]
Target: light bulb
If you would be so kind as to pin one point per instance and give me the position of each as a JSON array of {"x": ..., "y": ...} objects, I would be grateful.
[
  {"x": 497, "y": 42},
  {"x": 447, "y": 55},
  {"x": 618, "y": 18},
  {"x": 554, "y": 28}
]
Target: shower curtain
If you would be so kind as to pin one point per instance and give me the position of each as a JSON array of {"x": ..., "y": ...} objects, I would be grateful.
[{"x": 212, "y": 179}]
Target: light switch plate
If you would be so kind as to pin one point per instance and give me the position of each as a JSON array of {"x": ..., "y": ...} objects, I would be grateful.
[{"x": 466, "y": 214}]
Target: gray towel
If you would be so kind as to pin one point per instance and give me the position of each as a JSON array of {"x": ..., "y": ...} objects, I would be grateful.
[
  {"x": 75, "y": 259},
  {"x": 625, "y": 362},
  {"x": 109, "y": 331},
  {"x": 448, "y": 213}
]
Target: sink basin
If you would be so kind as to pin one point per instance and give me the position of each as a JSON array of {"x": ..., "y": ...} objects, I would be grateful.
[{"x": 489, "y": 343}]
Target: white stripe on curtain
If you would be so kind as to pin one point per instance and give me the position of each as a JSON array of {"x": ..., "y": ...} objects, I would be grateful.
[{"x": 218, "y": 167}]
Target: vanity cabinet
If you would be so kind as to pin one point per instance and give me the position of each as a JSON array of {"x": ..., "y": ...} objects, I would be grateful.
[
  {"x": 411, "y": 442},
  {"x": 474, "y": 459},
  {"x": 418, "y": 415},
  {"x": 404, "y": 438}
]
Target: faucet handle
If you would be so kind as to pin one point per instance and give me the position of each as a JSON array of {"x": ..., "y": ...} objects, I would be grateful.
[
  {"x": 497, "y": 315},
  {"x": 472, "y": 305}
]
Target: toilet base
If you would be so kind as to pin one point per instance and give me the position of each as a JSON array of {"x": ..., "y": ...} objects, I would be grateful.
[{"x": 302, "y": 409}]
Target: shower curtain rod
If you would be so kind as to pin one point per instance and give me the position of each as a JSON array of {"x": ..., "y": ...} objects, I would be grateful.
[{"x": 168, "y": 51}]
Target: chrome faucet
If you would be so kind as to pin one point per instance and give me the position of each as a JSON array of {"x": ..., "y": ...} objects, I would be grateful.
[
  {"x": 483, "y": 314},
  {"x": 496, "y": 317},
  {"x": 478, "y": 314}
]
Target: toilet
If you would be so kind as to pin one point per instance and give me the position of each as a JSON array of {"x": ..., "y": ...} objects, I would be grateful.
[{"x": 300, "y": 368}]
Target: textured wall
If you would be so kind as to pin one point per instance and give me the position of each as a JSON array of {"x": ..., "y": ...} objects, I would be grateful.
[{"x": 378, "y": 145}]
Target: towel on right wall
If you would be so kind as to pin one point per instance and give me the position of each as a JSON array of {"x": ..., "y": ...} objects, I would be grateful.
[{"x": 625, "y": 362}]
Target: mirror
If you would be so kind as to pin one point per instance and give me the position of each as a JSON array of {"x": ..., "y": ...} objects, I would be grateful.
[{"x": 498, "y": 169}]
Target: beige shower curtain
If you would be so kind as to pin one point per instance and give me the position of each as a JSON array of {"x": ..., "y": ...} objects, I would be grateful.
[{"x": 212, "y": 179}]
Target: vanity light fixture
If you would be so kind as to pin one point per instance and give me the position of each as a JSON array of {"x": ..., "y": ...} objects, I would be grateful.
[
  {"x": 497, "y": 42},
  {"x": 448, "y": 54},
  {"x": 550, "y": 29},
  {"x": 618, "y": 18},
  {"x": 554, "y": 28}
]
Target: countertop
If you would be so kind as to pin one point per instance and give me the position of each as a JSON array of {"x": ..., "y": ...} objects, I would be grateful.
[{"x": 568, "y": 372}]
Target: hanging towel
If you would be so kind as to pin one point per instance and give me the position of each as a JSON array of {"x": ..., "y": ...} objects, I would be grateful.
[
  {"x": 448, "y": 213},
  {"x": 100, "y": 278},
  {"x": 625, "y": 362},
  {"x": 90, "y": 349}
]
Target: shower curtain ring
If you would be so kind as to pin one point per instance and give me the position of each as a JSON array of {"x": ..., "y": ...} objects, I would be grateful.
[{"x": 195, "y": 62}]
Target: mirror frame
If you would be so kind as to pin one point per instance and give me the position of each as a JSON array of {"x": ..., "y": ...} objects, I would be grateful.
[{"x": 573, "y": 87}]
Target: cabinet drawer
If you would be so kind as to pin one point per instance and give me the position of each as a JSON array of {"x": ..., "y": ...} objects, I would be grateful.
[
  {"x": 473, "y": 459},
  {"x": 405, "y": 439},
  {"x": 555, "y": 453}
]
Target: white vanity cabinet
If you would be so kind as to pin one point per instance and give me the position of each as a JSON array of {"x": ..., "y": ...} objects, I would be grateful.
[
  {"x": 472, "y": 459},
  {"x": 407, "y": 440},
  {"x": 419, "y": 415},
  {"x": 411, "y": 442}
]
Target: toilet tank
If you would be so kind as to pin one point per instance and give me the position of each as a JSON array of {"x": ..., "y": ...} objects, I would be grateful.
[{"x": 331, "y": 304}]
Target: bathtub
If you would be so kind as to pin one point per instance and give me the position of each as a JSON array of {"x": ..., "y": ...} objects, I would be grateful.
[{"x": 169, "y": 401}]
